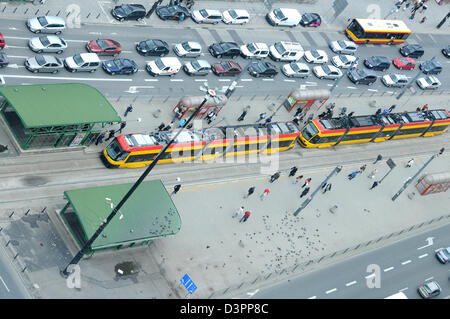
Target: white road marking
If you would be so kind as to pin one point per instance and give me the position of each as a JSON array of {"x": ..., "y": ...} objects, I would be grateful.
[
  {"x": 350, "y": 283},
  {"x": 406, "y": 262},
  {"x": 424, "y": 255},
  {"x": 373, "y": 90},
  {"x": 127, "y": 51},
  {"x": 370, "y": 276},
  {"x": 4, "y": 283},
  {"x": 17, "y": 56},
  {"x": 432, "y": 38},
  {"x": 313, "y": 297},
  {"x": 101, "y": 7},
  {"x": 251, "y": 294},
  {"x": 224, "y": 80},
  {"x": 15, "y": 47},
  {"x": 403, "y": 289},
  {"x": 429, "y": 243},
  {"x": 176, "y": 80},
  {"x": 12, "y": 28},
  {"x": 390, "y": 92},
  {"x": 151, "y": 80},
  {"x": 65, "y": 78},
  {"x": 200, "y": 80},
  {"x": 330, "y": 291},
  {"x": 428, "y": 279},
  {"x": 330, "y": 84},
  {"x": 388, "y": 269},
  {"x": 313, "y": 83},
  {"x": 288, "y": 80},
  {"x": 352, "y": 87},
  {"x": 246, "y": 80},
  {"x": 268, "y": 79},
  {"x": 99, "y": 33}
]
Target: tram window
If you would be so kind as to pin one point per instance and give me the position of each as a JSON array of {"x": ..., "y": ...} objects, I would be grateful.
[
  {"x": 181, "y": 152},
  {"x": 411, "y": 131},
  {"x": 437, "y": 128},
  {"x": 213, "y": 151},
  {"x": 315, "y": 139},
  {"x": 140, "y": 158},
  {"x": 284, "y": 143},
  {"x": 329, "y": 139}
]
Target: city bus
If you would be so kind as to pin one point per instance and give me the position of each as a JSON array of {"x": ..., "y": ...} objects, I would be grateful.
[
  {"x": 320, "y": 133},
  {"x": 377, "y": 31},
  {"x": 139, "y": 150}
]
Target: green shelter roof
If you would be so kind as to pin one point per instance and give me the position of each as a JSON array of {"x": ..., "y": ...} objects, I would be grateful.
[
  {"x": 59, "y": 104},
  {"x": 148, "y": 214}
]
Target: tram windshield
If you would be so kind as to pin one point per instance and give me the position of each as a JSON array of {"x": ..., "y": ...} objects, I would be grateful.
[
  {"x": 309, "y": 131},
  {"x": 116, "y": 152}
]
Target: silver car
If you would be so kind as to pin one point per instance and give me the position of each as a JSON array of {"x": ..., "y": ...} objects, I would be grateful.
[
  {"x": 429, "y": 289},
  {"x": 46, "y": 24},
  {"x": 44, "y": 63},
  {"x": 197, "y": 67},
  {"x": 47, "y": 43},
  {"x": 188, "y": 49}
]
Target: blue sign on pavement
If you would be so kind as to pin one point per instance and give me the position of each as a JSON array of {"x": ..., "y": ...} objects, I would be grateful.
[{"x": 188, "y": 284}]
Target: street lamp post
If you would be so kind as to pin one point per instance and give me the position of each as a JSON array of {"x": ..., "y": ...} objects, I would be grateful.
[{"x": 443, "y": 21}]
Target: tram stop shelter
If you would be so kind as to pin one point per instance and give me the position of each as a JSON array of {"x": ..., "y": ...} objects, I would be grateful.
[
  {"x": 55, "y": 115},
  {"x": 147, "y": 215},
  {"x": 190, "y": 103},
  {"x": 434, "y": 183},
  {"x": 305, "y": 99}
]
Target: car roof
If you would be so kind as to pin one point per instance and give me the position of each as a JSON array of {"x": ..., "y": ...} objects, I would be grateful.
[
  {"x": 90, "y": 57},
  {"x": 291, "y": 45},
  {"x": 53, "y": 19},
  {"x": 240, "y": 12},
  {"x": 50, "y": 58},
  {"x": 135, "y": 6},
  {"x": 203, "y": 63},
  {"x": 192, "y": 44},
  {"x": 415, "y": 46},
  {"x": 52, "y": 38},
  {"x": 212, "y": 11},
  {"x": 259, "y": 45},
  {"x": 170, "y": 61},
  {"x": 433, "y": 285},
  {"x": 291, "y": 12},
  {"x": 399, "y": 76}
]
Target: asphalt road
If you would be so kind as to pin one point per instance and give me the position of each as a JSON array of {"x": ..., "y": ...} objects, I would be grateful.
[
  {"x": 403, "y": 267},
  {"x": 11, "y": 286},
  {"x": 17, "y": 35}
]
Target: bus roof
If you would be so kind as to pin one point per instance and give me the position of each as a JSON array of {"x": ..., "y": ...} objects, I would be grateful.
[{"x": 383, "y": 25}]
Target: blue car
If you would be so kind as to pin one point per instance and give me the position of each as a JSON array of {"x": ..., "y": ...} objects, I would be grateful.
[{"x": 120, "y": 66}]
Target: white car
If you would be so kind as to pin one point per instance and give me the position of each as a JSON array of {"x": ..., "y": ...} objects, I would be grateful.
[
  {"x": 235, "y": 16},
  {"x": 428, "y": 83},
  {"x": 394, "y": 80},
  {"x": 254, "y": 50},
  {"x": 343, "y": 47},
  {"x": 295, "y": 70},
  {"x": 284, "y": 17},
  {"x": 164, "y": 66},
  {"x": 207, "y": 16},
  {"x": 327, "y": 72},
  {"x": 316, "y": 56},
  {"x": 188, "y": 49},
  {"x": 344, "y": 61},
  {"x": 47, "y": 43},
  {"x": 46, "y": 24}
]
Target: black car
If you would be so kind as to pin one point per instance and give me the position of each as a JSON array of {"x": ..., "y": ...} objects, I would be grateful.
[
  {"x": 377, "y": 63},
  {"x": 431, "y": 67},
  {"x": 310, "y": 20},
  {"x": 3, "y": 60},
  {"x": 359, "y": 76},
  {"x": 172, "y": 12},
  {"x": 224, "y": 49},
  {"x": 129, "y": 12},
  {"x": 446, "y": 51},
  {"x": 262, "y": 69},
  {"x": 153, "y": 47},
  {"x": 412, "y": 50}
]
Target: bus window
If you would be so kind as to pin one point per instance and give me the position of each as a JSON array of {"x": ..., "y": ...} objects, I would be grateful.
[
  {"x": 309, "y": 131},
  {"x": 356, "y": 29},
  {"x": 115, "y": 151}
]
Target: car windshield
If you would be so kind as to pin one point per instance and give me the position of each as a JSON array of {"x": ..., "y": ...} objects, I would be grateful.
[
  {"x": 171, "y": 10},
  {"x": 225, "y": 66},
  {"x": 341, "y": 43},
  {"x": 204, "y": 13},
  {"x": 159, "y": 64},
  {"x": 307, "y": 17},
  {"x": 408, "y": 49},
  {"x": 186, "y": 46},
  {"x": 195, "y": 65},
  {"x": 376, "y": 60},
  {"x": 427, "y": 288},
  {"x": 127, "y": 9},
  {"x": 78, "y": 59},
  {"x": 251, "y": 47},
  {"x": 428, "y": 81},
  {"x": 44, "y": 41},
  {"x": 233, "y": 14},
  {"x": 326, "y": 69},
  {"x": 118, "y": 63},
  {"x": 40, "y": 59},
  {"x": 361, "y": 73},
  {"x": 294, "y": 67},
  {"x": 278, "y": 14},
  {"x": 102, "y": 44},
  {"x": 446, "y": 252},
  {"x": 344, "y": 59},
  {"x": 309, "y": 131},
  {"x": 393, "y": 77},
  {"x": 280, "y": 48},
  {"x": 404, "y": 61},
  {"x": 150, "y": 44},
  {"x": 315, "y": 53},
  {"x": 115, "y": 151},
  {"x": 42, "y": 21}
]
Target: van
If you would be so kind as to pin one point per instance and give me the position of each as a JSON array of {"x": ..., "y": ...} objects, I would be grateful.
[
  {"x": 286, "y": 51},
  {"x": 284, "y": 17},
  {"x": 207, "y": 16},
  {"x": 87, "y": 62},
  {"x": 164, "y": 66},
  {"x": 412, "y": 50}
]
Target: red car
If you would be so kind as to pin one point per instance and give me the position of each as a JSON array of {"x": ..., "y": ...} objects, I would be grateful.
[
  {"x": 226, "y": 68},
  {"x": 404, "y": 63},
  {"x": 2, "y": 41},
  {"x": 104, "y": 47}
]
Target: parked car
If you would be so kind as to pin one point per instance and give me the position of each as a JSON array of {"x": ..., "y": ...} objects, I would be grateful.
[
  {"x": 412, "y": 50},
  {"x": 188, "y": 49},
  {"x": 428, "y": 83},
  {"x": 44, "y": 63},
  {"x": 3, "y": 60},
  {"x": 446, "y": 51},
  {"x": 2, "y": 41},
  {"x": 377, "y": 63},
  {"x": 296, "y": 70},
  {"x": 429, "y": 289},
  {"x": 262, "y": 69},
  {"x": 344, "y": 61},
  {"x": 104, "y": 47},
  {"x": 310, "y": 20},
  {"x": 46, "y": 24},
  {"x": 226, "y": 68},
  {"x": 404, "y": 63},
  {"x": 129, "y": 12},
  {"x": 286, "y": 51},
  {"x": 316, "y": 56},
  {"x": 443, "y": 255},
  {"x": 254, "y": 50},
  {"x": 206, "y": 16},
  {"x": 327, "y": 72},
  {"x": 431, "y": 67},
  {"x": 284, "y": 17},
  {"x": 235, "y": 16},
  {"x": 394, "y": 80},
  {"x": 47, "y": 43},
  {"x": 362, "y": 76},
  {"x": 343, "y": 47},
  {"x": 152, "y": 47},
  {"x": 84, "y": 62},
  {"x": 120, "y": 66},
  {"x": 172, "y": 12},
  {"x": 224, "y": 49},
  {"x": 164, "y": 66},
  {"x": 197, "y": 67}
]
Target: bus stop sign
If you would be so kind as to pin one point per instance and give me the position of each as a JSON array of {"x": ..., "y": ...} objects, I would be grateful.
[{"x": 188, "y": 284}]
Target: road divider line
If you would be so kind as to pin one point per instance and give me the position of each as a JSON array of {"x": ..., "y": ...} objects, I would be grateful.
[
  {"x": 313, "y": 297},
  {"x": 288, "y": 80},
  {"x": 268, "y": 79},
  {"x": 200, "y": 80},
  {"x": 65, "y": 78},
  {"x": 224, "y": 80},
  {"x": 428, "y": 279},
  {"x": 352, "y": 87},
  {"x": 151, "y": 80},
  {"x": 388, "y": 269},
  {"x": 350, "y": 283},
  {"x": 246, "y": 80},
  {"x": 406, "y": 262},
  {"x": 401, "y": 290},
  {"x": 373, "y": 90},
  {"x": 15, "y": 47},
  {"x": 176, "y": 80},
  {"x": 331, "y": 291},
  {"x": 17, "y": 56},
  {"x": 422, "y": 256},
  {"x": 4, "y": 284}
]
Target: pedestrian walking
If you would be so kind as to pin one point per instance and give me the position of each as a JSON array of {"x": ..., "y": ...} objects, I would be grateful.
[
  {"x": 296, "y": 119},
  {"x": 122, "y": 126},
  {"x": 241, "y": 118},
  {"x": 378, "y": 112},
  {"x": 373, "y": 173},
  {"x": 239, "y": 212},
  {"x": 412, "y": 16},
  {"x": 299, "y": 111},
  {"x": 181, "y": 18},
  {"x": 42, "y": 1},
  {"x": 268, "y": 120},
  {"x": 350, "y": 114},
  {"x": 211, "y": 117},
  {"x": 161, "y": 126},
  {"x": 307, "y": 182},
  {"x": 274, "y": 177},
  {"x": 424, "y": 7},
  {"x": 362, "y": 168},
  {"x": 352, "y": 175},
  {"x": 391, "y": 108},
  {"x": 100, "y": 138},
  {"x": 262, "y": 116},
  {"x": 441, "y": 151},
  {"x": 128, "y": 110},
  {"x": 410, "y": 162},
  {"x": 425, "y": 107},
  {"x": 406, "y": 6},
  {"x": 110, "y": 135},
  {"x": 265, "y": 193},
  {"x": 323, "y": 185},
  {"x": 379, "y": 158},
  {"x": 245, "y": 217},
  {"x": 423, "y": 20},
  {"x": 375, "y": 184},
  {"x": 176, "y": 188},
  {"x": 327, "y": 188},
  {"x": 169, "y": 126},
  {"x": 3, "y": 148},
  {"x": 385, "y": 111},
  {"x": 293, "y": 171},
  {"x": 297, "y": 179},
  {"x": 339, "y": 169},
  {"x": 251, "y": 190},
  {"x": 305, "y": 191}
]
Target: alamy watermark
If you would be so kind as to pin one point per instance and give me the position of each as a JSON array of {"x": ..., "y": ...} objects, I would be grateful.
[
  {"x": 73, "y": 20},
  {"x": 74, "y": 278},
  {"x": 374, "y": 279}
]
